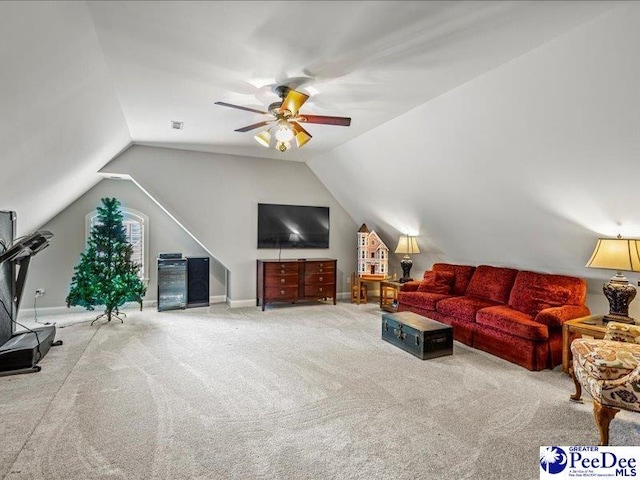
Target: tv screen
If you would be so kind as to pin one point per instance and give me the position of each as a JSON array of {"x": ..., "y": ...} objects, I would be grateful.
[{"x": 292, "y": 226}]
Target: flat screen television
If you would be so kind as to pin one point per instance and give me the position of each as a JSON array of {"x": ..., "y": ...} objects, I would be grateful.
[{"x": 292, "y": 226}]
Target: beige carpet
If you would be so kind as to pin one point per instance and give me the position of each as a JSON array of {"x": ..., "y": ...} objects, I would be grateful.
[{"x": 304, "y": 392}]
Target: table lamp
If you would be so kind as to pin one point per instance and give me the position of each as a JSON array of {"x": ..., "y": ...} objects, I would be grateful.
[
  {"x": 620, "y": 254},
  {"x": 407, "y": 245}
]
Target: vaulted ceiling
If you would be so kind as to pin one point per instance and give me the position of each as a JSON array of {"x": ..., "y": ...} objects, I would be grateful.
[{"x": 83, "y": 81}]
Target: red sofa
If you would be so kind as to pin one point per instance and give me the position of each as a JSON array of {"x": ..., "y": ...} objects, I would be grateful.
[{"x": 515, "y": 315}]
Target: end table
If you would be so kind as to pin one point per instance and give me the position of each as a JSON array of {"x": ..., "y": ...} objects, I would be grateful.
[
  {"x": 591, "y": 326},
  {"x": 389, "y": 295}
]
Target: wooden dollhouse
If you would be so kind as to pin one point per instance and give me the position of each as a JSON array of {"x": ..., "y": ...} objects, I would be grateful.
[{"x": 373, "y": 255}]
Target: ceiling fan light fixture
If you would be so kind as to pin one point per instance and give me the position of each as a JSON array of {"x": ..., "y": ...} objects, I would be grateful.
[
  {"x": 285, "y": 120},
  {"x": 284, "y": 132},
  {"x": 263, "y": 138},
  {"x": 283, "y": 146},
  {"x": 302, "y": 139},
  {"x": 301, "y": 135}
]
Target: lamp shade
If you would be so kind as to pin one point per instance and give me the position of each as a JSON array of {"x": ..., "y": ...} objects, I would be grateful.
[
  {"x": 621, "y": 254},
  {"x": 407, "y": 244},
  {"x": 263, "y": 138},
  {"x": 301, "y": 135}
]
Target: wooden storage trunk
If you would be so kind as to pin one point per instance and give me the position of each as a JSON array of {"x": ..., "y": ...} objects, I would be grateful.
[{"x": 418, "y": 335}]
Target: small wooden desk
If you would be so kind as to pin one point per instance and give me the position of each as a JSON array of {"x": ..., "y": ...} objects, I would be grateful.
[
  {"x": 367, "y": 279},
  {"x": 389, "y": 294},
  {"x": 591, "y": 326}
]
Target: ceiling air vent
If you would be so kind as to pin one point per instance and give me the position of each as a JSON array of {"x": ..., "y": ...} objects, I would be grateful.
[{"x": 177, "y": 125}]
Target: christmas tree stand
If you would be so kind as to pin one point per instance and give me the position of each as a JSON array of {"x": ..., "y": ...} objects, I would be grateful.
[{"x": 117, "y": 315}]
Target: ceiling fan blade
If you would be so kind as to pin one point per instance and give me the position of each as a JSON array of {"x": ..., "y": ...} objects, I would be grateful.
[
  {"x": 254, "y": 126},
  {"x": 325, "y": 120},
  {"x": 293, "y": 101},
  {"x": 301, "y": 135},
  {"x": 225, "y": 104}
]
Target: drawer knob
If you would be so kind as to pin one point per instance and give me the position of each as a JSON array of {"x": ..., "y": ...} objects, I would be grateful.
[
  {"x": 320, "y": 279},
  {"x": 282, "y": 280},
  {"x": 320, "y": 288},
  {"x": 281, "y": 271},
  {"x": 282, "y": 292},
  {"x": 320, "y": 270}
]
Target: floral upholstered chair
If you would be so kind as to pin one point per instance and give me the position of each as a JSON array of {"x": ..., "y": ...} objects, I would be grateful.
[{"x": 609, "y": 369}]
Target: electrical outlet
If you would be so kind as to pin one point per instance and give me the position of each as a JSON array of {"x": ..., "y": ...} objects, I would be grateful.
[{"x": 40, "y": 292}]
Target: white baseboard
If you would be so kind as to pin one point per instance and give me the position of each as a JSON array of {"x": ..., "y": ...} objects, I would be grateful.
[
  {"x": 218, "y": 299},
  {"x": 241, "y": 303},
  {"x": 214, "y": 299},
  {"x": 29, "y": 312},
  {"x": 62, "y": 310}
]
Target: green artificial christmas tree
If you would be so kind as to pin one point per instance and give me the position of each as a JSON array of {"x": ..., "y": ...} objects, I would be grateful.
[{"x": 106, "y": 275}]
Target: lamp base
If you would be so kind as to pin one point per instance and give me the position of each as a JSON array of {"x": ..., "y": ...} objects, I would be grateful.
[
  {"x": 406, "y": 263},
  {"x": 620, "y": 293},
  {"x": 618, "y": 318}
]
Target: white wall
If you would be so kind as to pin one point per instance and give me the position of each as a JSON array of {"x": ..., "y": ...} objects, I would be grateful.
[
  {"x": 61, "y": 117},
  {"x": 215, "y": 197},
  {"x": 52, "y": 269},
  {"x": 526, "y": 166}
]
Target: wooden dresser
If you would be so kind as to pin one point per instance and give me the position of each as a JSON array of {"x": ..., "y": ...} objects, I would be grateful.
[{"x": 295, "y": 280}]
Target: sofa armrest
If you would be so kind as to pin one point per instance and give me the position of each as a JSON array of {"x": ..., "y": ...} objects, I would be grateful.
[
  {"x": 410, "y": 286},
  {"x": 556, "y": 316},
  {"x": 623, "y": 332}
]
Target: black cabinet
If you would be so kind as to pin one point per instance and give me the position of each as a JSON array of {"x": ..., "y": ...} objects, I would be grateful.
[
  {"x": 197, "y": 282},
  {"x": 183, "y": 282}
]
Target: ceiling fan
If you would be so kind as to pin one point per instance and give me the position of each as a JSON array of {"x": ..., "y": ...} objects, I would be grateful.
[{"x": 285, "y": 126}]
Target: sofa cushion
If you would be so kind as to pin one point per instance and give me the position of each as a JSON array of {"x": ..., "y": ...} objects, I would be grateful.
[
  {"x": 436, "y": 282},
  {"x": 513, "y": 322},
  {"x": 426, "y": 300},
  {"x": 462, "y": 275},
  {"x": 410, "y": 286},
  {"x": 492, "y": 283},
  {"x": 521, "y": 351},
  {"x": 464, "y": 308},
  {"x": 534, "y": 291}
]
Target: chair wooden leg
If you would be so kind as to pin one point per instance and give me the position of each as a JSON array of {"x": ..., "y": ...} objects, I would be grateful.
[
  {"x": 603, "y": 416},
  {"x": 576, "y": 396}
]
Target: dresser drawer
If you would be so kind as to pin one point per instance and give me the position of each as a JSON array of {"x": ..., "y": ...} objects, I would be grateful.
[
  {"x": 286, "y": 280},
  {"x": 281, "y": 268},
  {"x": 295, "y": 280},
  {"x": 319, "y": 290},
  {"x": 281, "y": 293},
  {"x": 319, "y": 267},
  {"x": 319, "y": 278}
]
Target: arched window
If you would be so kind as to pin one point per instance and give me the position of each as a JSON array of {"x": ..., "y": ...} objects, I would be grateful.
[{"x": 135, "y": 224}]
